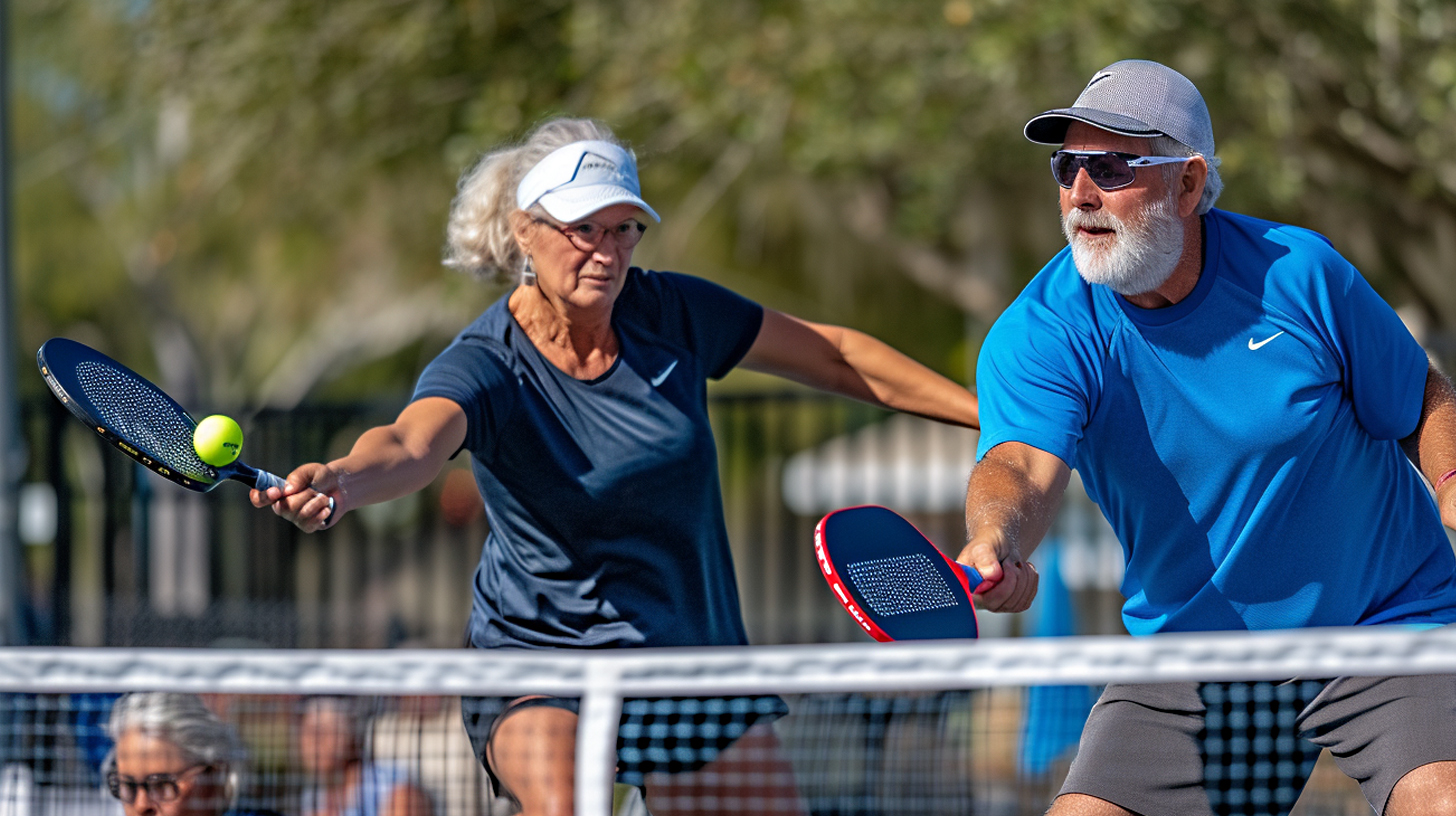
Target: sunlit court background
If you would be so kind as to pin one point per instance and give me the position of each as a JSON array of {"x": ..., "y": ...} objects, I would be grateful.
[{"x": 244, "y": 200}]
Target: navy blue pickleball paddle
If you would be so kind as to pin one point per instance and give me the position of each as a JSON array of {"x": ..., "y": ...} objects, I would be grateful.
[{"x": 136, "y": 417}]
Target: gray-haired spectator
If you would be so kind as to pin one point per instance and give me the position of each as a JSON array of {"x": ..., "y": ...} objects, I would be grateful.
[{"x": 172, "y": 757}]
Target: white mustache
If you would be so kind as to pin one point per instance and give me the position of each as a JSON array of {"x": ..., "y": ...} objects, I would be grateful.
[{"x": 1099, "y": 219}]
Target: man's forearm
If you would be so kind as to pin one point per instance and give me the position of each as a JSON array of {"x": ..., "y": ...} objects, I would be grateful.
[
  {"x": 1012, "y": 498},
  {"x": 1010, "y": 503}
]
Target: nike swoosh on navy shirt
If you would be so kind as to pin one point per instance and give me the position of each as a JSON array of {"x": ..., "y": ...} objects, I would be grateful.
[{"x": 656, "y": 381}]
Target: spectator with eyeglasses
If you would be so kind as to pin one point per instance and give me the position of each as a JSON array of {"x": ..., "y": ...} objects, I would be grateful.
[
  {"x": 171, "y": 757},
  {"x": 582, "y": 397},
  {"x": 1272, "y": 446}
]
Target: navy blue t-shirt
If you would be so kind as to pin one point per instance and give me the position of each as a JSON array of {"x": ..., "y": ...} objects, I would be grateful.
[{"x": 606, "y": 515}]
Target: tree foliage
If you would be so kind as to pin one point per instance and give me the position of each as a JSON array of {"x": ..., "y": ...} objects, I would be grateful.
[{"x": 246, "y": 198}]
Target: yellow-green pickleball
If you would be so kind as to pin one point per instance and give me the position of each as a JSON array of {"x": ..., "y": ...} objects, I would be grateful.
[{"x": 218, "y": 440}]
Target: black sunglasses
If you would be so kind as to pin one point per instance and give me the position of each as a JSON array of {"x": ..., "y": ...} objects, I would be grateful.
[
  {"x": 1108, "y": 169},
  {"x": 160, "y": 787}
]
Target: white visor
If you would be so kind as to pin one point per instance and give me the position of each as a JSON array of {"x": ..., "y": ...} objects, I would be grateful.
[{"x": 577, "y": 180}]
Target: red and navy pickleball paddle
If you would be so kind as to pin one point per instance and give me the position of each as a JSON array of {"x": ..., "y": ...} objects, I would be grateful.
[{"x": 891, "y": 579}]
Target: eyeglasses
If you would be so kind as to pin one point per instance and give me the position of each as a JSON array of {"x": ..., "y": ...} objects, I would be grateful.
[
  {"x": 161, "y": 787},
  {"x": 587, "y": 236},
  {"x": 1108, "y": 169}
]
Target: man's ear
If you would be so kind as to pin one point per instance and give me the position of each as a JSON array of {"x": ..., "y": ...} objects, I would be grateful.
[{"x": 1190, "y": 185}]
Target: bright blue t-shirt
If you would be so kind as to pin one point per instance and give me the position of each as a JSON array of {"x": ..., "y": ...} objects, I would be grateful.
[
  {"x": 1243, "y": 443},
  {"x": 606, "y": 516}
]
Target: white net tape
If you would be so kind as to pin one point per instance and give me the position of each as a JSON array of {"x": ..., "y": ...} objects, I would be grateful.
[
  {"x": 748, "y": 670},
  {"x": 603, "y": 678}
]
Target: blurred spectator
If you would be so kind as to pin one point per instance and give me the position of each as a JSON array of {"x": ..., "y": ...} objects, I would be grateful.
[
  {"x": 423, "y": 734},
  {"x": 172, "y": 757},
  {"x": 343, "y": 781}
]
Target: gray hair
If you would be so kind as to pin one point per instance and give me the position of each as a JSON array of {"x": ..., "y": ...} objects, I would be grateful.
[
  {"x": 1212, "y": 187},
  {"x": 184, "y": 721},
  {"x": 478, "y": 237}
]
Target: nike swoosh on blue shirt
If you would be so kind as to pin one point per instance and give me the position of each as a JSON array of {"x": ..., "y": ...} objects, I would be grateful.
[
  {"x": 656, "y": 381},
  {"x": 1262, "y": 343}
]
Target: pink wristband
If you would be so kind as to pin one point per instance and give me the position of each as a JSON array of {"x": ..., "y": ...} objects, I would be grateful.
[{"x": 1445, "y": 477}]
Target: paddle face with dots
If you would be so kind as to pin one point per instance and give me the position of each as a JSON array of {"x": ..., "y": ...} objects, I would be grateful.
[
  {"x": 136, "y": 417},
  {"x": 891, "y": 579}
]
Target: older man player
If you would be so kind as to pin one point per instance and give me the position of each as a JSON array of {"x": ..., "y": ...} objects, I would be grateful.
[{"x": 1246, "y": 412}]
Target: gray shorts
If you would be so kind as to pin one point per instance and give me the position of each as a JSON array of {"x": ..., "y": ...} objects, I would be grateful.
[{"x": 1248, "y": 748}]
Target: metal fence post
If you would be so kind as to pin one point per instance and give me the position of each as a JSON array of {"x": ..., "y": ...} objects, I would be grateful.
[{"x": 12, "y": 449}]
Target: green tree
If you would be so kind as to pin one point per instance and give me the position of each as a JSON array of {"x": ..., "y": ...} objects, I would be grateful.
[{"x": 246, "y": 197}]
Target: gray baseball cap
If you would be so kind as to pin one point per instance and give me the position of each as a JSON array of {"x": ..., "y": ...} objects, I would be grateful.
[{"x": 1134, "y": 98}]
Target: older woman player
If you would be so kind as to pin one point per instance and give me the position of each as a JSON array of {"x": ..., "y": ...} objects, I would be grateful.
[{"x": 581, "y": 396}]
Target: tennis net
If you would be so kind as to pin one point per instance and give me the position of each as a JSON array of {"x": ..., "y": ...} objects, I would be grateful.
[{"x": 983, "y": 727}]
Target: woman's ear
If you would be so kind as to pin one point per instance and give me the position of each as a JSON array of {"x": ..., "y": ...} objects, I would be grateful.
[{"x": 521, "y": 230}]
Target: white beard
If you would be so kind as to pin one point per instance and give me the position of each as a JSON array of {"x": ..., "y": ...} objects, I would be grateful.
[{"x": 1138, "y": 258}]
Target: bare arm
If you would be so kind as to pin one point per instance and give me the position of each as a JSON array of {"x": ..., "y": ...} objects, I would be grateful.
[
  {"x": 853, "y": 364},
  {"x": 1432, "y": 447},
  {"x": 1010, "y": 503},
  {"x": 386, "y": 462}
]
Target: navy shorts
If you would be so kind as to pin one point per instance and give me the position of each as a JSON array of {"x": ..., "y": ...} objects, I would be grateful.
[
  {"x": 1249, "y": 748},
  {"x": 654, "y": 735}
]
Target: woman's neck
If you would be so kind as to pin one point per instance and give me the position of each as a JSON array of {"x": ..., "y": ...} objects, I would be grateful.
[{"x": 582, "y": 345}]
